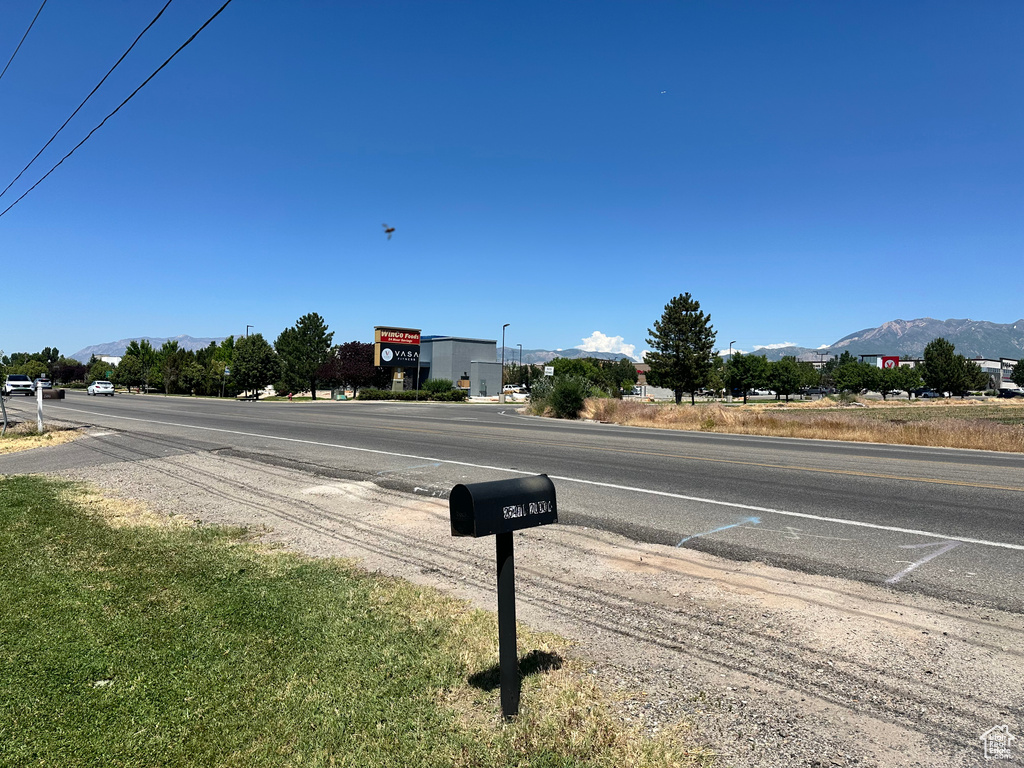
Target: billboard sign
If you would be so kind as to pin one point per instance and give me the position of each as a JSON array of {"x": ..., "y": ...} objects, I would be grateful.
[
  {"x": 891, "y": 362},
  {"x": 396, "y": 347},
  {"x": 396, "y": 336},
  {"x": 397, "y": 355}
]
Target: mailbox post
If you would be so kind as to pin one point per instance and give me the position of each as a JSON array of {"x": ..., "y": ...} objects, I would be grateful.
[{"x": 499, "y": 508}]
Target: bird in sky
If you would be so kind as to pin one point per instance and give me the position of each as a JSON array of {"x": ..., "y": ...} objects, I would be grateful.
[{"x": 388, "y": 230}]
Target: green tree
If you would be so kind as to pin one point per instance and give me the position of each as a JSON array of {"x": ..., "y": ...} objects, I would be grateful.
[
  {"x": 1017, "y": 377},
  {"x": 98, "y": 369},
  {"x": 303, "y": 351},
  {"x": 974, "y": 377},
  {"x": 575, "y": 366},
  {"x": 682, "y": 346},
  {"x": 890, "y": 380},
  {"x": 746, "y": 372},
  {"x": 129, "y": 372},
  {"x": 170, "y": 360},
  {"x": 147, "y": 356},
  {"x": 908, "y": 378},
  {"x": 785, "y": 377},
  {"x": 946, "y": 371},
  {"x": 192, "y": 377},
  {"x": 256, "y": 364},
  {"x": 623, "y": 376}
]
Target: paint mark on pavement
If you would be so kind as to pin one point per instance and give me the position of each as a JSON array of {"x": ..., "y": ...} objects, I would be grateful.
[
  {"x": 943, "y": 547},
  {"x": 744, "y": 521}
]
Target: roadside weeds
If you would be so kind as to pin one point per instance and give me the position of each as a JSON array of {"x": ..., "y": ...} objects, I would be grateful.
[{"x": 944, "y": 425}]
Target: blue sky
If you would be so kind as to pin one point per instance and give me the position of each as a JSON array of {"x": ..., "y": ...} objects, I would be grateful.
[{"x": 804, "y": 170}]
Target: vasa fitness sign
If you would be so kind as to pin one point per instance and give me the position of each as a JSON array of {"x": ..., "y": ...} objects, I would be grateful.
[{"x": 396, "y": 347}]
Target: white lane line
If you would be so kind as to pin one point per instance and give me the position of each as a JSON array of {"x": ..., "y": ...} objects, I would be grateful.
[{"x": 596, "y": 483}]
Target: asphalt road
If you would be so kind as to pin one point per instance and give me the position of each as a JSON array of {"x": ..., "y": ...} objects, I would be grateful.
[{"x": 940, "y": 521}]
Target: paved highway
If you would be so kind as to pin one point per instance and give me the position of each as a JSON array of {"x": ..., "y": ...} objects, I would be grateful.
[{"x": 946, "y": 522}]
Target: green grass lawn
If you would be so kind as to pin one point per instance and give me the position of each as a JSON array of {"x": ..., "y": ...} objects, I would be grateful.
[{"x": 176, "y": 646}]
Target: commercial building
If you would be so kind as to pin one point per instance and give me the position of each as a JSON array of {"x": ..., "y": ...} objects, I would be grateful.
[{"x": 471, "y": 363}]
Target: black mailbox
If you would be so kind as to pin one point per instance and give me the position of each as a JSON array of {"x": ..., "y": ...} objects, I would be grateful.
[
  {"x": 502, "y": 506},
  {"x": 499, "y": 508}
]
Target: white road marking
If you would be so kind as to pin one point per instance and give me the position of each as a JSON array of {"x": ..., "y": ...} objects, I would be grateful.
[
  {"x": 943, "y": 547},
  {"x": 595, "y": 483},
  {"x": 751, "y": 520}
]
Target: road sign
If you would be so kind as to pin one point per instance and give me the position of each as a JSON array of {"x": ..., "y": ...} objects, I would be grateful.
[{"x": 549, "y": 370}]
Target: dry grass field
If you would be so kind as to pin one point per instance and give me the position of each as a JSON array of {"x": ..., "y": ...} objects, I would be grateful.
[{"x": 994, "y": 425}]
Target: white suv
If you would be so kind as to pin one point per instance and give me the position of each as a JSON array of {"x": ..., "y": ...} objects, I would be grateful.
[{"x": 20, "y": 383}]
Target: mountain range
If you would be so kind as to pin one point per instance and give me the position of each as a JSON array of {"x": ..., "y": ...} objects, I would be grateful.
[
  {"x": 117, "y": 348},
  {"x": 906, "y": 338}
]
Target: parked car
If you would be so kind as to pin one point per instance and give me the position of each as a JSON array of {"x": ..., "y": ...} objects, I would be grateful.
[
  {"x": 1011, "y": 392},
  {"x": 101, "y": 388},
  {"x": 18, "y": 383},
  {"x": 43, "y": 384},
  {"x": 926, "y": 393}
]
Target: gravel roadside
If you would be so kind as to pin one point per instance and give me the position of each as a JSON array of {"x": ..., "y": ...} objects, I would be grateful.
[{"x": 774, "y": 668}]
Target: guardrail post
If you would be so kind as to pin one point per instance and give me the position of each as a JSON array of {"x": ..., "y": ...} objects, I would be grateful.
[{"x": 39, "y": 408}]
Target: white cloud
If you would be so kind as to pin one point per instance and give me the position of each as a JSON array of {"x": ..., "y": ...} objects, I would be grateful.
[
  {"x": 775, "y": 346},
  {"x": 735, "y": 350},
  {"x": 598, "y": 342}
]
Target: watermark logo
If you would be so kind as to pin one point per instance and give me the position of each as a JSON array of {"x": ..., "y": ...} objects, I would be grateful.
[{"x": 998, "y": 740}]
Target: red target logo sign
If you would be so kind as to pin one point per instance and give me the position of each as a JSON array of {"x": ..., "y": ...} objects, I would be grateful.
[{"x": 890, "y": 362}]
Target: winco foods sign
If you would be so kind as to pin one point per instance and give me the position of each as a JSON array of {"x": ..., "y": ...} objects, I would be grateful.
[{"x": 396, "y": 347}]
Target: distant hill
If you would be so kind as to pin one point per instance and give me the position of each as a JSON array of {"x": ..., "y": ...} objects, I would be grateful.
[
  {"x": 541, "y": 356},
  {"x": 907, "y": 338},
  {"x": 117, "y": 348}
]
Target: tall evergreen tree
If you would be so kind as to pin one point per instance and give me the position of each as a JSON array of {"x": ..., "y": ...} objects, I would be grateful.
[
  {"x": 303, "y": 350},
  {"x": 682, "y": 345}
]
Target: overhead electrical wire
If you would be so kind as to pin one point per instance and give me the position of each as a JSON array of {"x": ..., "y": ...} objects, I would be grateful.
[
  {"x": 14, "y": 181},
  {"x": 118, "y": 108},
  {"x": 31, "y": 24}
]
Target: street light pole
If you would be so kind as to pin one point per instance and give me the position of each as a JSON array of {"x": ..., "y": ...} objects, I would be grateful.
[
  {"x": 247, "y": 330},
  {"x": 728, "y": 399},
  {"x": 501, "y": 396},
  {"x": 520, "y": 363}
]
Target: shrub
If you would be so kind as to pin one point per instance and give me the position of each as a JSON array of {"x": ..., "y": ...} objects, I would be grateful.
[
  {"x": 449, "y": 396},
  {"x": 437, "y": 386},
  {"x": 568, "y": 394},
  {"x": 540, "y": 391}
]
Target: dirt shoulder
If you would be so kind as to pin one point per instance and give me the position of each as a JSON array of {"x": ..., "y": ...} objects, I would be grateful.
[{"x": 774, "y": 668}]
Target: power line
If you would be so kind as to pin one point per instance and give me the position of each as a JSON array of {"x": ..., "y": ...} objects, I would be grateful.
[
  {"x": 23, "y": 39},
  {"x": 118, "y": 108},
  {"x": 86, "y": 98}
]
